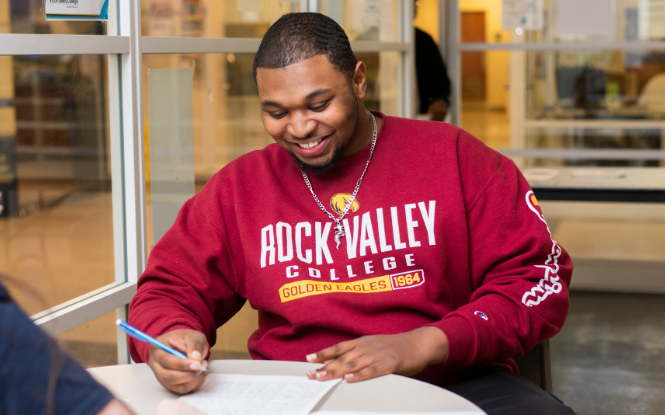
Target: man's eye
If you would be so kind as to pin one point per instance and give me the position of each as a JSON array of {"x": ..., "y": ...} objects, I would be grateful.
[
  {"x": 319, "y": 107},
  {"x": 277, "y": 115}
]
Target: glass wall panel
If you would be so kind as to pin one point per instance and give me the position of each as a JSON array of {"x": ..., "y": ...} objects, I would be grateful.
[
  {"x": 565, "y": 100},
  {"x": 219, "y": 118},
  {"x": 494, "y": 21},
  {"x": 594, "y": 100},
  {"x": 598, "y": 85},
  {"x": 94, "y": 343},
  {"x": 612, "y": 244},
  {"x": 56, "y": 230},
  {"x": 602, "y": 100},
  {"x": 28, "y": 16},
  {"x": 365, "y": 20},
  {"x": 485, "y": 106},
  {"x": 212, "y": 18}
]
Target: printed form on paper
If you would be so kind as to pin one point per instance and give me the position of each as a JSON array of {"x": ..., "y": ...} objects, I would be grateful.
[{"x": 230, "y": 394}]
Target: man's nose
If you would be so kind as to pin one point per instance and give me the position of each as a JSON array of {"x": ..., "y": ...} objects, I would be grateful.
[{"x": 301, "y": 126}]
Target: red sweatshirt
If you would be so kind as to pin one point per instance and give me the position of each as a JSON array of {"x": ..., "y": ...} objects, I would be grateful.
[{"x": 446, "y": 232}]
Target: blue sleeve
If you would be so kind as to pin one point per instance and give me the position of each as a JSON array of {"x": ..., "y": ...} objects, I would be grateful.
[{"x": 33, "y": 367}]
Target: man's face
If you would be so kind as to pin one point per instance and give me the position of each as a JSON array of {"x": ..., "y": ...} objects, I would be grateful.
[{"x": 311, "y": 110}]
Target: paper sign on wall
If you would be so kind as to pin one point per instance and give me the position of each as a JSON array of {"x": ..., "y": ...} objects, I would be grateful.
[
  {"x": 572, "y": 18},
  {"x": 372, "y": 15},
  {"x": 655, "y": 19},
  {"x": 77, "y": 9},
  {"x": 255, "y": 6},
  {"x": 527, "y": 14}
]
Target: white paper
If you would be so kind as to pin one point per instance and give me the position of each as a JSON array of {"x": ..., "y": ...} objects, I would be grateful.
[
  {"x": 656, "y": 19},
  {"x": 512, "y": 13},
  {"x": 534, "y": 15},
  {"x": 372, "y": 15},
  {"x": 527, "y": 14},
  {"x": 399, "y": 413},
  {"x": 227, "y": 394},
  {"x": 160, "y": 18},
  {"x": 255, "y": 6},
  {"x": 573, "y": 18},
  {"x": 76, "y": 9}
]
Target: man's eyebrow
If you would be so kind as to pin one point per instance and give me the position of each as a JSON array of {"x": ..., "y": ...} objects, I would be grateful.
[
  {"x": 270, "y": 104},
  {"x": 317, "y": 92},
  {"x": 308, "y": 97}
]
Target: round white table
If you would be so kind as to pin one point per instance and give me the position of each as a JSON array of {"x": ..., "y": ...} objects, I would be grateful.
[{"x": 138, "y": 387}]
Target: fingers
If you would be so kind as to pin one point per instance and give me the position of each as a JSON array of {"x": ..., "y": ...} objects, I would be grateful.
[
  {"x": 331, "y": 352},
  {"x": 177, "y": 374},
  {"x": 174, "y": 373},
  {"x": 197, "y": 346},
  {"x": 368, "y": 372},
  {"x": 168, "y": 361},
  {"x": 372, "y": 356},
  {"x": 184, "y": 387},
  {"x": 353, "y": 366}
]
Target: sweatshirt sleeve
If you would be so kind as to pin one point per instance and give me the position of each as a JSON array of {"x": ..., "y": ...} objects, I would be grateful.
[
  {"x": 189, "y": 281},
  {"x": 520, "y": 274}
]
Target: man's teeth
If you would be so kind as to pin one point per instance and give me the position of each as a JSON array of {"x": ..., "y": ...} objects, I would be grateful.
[{"x": 310, "y": 145}]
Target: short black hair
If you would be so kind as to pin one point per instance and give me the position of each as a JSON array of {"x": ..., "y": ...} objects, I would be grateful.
[{"x": 299, "y": 36}]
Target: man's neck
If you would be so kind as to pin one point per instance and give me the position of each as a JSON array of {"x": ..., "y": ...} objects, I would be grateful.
[{"x": 364, "y": 133}]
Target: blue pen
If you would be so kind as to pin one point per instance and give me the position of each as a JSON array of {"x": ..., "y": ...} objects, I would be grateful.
[{"x": 139, "y": 335}]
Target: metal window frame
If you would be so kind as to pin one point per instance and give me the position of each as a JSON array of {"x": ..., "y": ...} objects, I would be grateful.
[
  {"x": 172, "y": 45},
  {"x": 124, "y": 46},
  {"x": 29, "y": 44},
  {"x": 633, "y": 46}
]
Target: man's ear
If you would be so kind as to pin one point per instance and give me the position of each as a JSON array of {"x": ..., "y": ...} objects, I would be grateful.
[{"x": 359, "y": 80}]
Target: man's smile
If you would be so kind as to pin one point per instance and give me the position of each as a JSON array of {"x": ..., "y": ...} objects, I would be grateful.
[{"x": 312, "y": 147}]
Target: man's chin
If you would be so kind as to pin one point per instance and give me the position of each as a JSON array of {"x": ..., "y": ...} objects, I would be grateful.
[{"x": 321, "y": 168}]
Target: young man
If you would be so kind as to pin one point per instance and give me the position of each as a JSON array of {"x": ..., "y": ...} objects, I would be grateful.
[{"x": 368, "y": 243}]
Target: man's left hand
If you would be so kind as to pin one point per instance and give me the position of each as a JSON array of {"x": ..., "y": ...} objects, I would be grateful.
[{"x": 368, "y": 357}]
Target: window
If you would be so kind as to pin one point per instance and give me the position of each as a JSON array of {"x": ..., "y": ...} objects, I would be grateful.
[{"x": 573, "y": 102}]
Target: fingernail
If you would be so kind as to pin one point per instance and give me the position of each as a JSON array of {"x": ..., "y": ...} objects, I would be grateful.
[
  {"x": 348, "y": 376},
  {"x": 204, "y": 366},
  {"x": 196, "y": 354},
  {"x": 195, "y": 366},
  {"x": 312, "y": 373},
  {"x": 321, "y": 374},
  {"x": 311, "y": 356}
]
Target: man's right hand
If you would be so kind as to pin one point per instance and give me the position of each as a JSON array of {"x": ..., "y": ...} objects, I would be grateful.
[
  {"x": 177, "y": 374},
  {"x": 438, "y": 110}
]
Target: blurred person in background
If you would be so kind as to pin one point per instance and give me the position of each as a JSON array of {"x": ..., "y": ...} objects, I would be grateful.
[{"x": 432, "y": 77}]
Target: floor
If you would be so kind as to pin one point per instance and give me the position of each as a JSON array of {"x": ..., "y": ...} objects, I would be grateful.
[{"x": 610, "y": 356}]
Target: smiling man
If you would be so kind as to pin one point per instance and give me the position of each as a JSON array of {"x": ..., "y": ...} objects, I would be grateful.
[{"x": 369, "y": 244}]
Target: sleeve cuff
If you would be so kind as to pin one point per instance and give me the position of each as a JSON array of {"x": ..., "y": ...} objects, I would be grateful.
[{"x": 461, "y": 343}]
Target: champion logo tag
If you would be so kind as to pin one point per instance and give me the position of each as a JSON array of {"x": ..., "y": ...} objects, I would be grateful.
[{"x": 481, "y": 315}]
